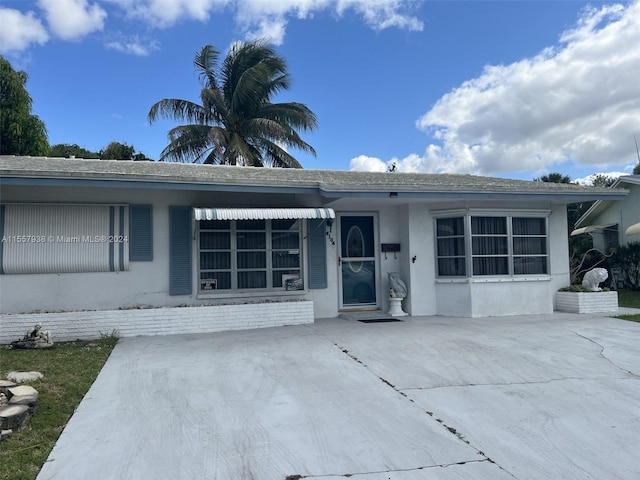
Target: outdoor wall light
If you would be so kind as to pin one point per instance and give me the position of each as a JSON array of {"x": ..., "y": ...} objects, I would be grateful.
[{"x": 329, "y": 222}]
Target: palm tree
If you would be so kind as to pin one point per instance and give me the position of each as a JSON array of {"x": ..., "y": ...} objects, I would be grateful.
[
  {"x": 237, "y": 124},
  {"x": 554, "y": 177}
]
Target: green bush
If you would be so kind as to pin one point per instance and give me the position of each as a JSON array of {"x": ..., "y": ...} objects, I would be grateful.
[
  {"x": 626, "y": 258},
  {"x": 580, "y": 288}
]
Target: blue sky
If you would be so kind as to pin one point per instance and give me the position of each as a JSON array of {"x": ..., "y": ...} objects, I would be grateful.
[{"x": 509, "y": 88}]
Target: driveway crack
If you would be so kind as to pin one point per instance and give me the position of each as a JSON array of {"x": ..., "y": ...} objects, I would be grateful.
[
  {"x": 452, "y": 430},
  {"x": 506, "y": 384},
  {"x": 396, "y": 470},
  {"x": 602, "y": 349}
]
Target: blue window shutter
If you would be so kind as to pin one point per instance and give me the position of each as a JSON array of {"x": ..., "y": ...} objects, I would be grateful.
[
  {"x": 140, "y": 233},
  {"x": 179, "y": 250},
  {"x": 317, "y": 255},
  {"x": 1, "y": 235}
]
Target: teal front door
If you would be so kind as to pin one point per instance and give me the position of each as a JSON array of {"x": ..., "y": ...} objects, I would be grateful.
[{"x": 357, "y": 260}]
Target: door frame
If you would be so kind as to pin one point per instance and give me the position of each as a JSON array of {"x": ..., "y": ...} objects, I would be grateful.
[{"x": 375, "y": 259}]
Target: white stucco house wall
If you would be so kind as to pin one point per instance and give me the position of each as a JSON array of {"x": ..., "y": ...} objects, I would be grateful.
[
  {"x": 608, "y": 221},
  {"x": 116, "y": 244}
]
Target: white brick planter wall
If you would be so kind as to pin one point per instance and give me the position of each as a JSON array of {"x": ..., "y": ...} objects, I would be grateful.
[
  {"x": 157, "y": 321},
  {"x": 587, "y": 302}
]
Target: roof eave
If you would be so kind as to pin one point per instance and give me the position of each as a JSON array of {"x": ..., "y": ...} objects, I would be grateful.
[{"x": 311, "y": 188}]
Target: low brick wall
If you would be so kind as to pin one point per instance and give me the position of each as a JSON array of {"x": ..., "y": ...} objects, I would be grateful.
[
  {"x": 157, "y": 321},
  {"x": 587, "y": 302}
]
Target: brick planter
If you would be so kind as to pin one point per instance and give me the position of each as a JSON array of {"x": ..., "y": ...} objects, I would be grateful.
[
  {"x": 158, "y": 321},
  {"x": 587, "y": 302}
]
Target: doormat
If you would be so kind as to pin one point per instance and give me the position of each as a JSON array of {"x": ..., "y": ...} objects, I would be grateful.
[{"x": 380, "y": 320}]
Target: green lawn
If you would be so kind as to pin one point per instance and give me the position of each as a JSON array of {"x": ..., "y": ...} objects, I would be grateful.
[
  {"x": 630, "y": 299},
  {"x": 69, "y": 369}
]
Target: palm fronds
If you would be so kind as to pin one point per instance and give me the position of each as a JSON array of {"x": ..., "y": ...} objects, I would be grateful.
[{"x": 237, "y": 124}]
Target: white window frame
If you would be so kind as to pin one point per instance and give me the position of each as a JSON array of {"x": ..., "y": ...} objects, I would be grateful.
[
  {"x": 233, "y": 250},
  {"x": 509, "y": 215}
]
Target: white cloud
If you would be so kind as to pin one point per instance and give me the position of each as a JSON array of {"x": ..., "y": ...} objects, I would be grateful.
[
  {"x": 410, "y": 164},
  {"x": 132, "y": 45},
  {"x": 272, "y": 28},
  {"x": 73, "y": 19},
  {"x": 269, "y": 18},
  {"x": 166, "y": 13},
  {"x": 260, "y": 18},
  {"x": 588, "y": 180},
  {"x": 362, "y": 163},
  {"x": 382, "y": 14},
  {"x": 20, "y": 30},
  {"x": 579, "y": 102}
]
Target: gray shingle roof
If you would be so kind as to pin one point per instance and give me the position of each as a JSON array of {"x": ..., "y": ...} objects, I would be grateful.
[{"x": 336, "y": 181}]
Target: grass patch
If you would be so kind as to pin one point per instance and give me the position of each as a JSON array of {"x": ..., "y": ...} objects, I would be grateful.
[
  {"x": 69, "y": 369},
  {"x": 629, "y": 298}
]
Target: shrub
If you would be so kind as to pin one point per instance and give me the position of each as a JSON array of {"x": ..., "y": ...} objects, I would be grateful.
[
  {"x": 626, "y": 259},
  {"x": 580, "y": 288}
]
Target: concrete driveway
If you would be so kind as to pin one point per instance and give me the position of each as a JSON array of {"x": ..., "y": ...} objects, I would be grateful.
[{"x": 536, "y": 397}]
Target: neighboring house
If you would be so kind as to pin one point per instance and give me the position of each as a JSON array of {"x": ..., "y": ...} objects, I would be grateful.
[
  {"x": 609, "y": 221},
  {"x": 105, "y": 235}
]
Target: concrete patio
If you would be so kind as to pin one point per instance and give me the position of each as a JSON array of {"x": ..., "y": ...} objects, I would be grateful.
[{"x": 534, "y": 397}]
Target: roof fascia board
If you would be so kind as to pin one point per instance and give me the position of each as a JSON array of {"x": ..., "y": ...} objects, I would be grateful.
[
  {"x": 593, "y": 208},
  {"x": 562, "y": 197},
  {"x": 602, "y": 204},
  {"x": 75, "y": 182},
  {"x": 566, "y": 197}
]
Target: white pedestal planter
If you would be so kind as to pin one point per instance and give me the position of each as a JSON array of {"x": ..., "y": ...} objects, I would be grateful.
[
  {"x": 587, "y": 302},
  {"x": 395, "y": 307}
]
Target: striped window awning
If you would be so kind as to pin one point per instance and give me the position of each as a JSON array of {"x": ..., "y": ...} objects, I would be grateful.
[
  {"x": 591, "y": 228},
  {"x": 261, "y": 213}
]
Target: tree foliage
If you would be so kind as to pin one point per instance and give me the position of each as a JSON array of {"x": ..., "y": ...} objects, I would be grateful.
[
  {"x": 117, "y": 151},
  {"x": 113, "y": 151},
  {"x": 237, "y": 123},
  {"x": 21, "y": 132},
  {"x": 554, "y": 177},
  {"x": 71, "y": 150},
  {"x": 121, "y": 151},
  {"x": 601, "y": 180},
  {"x": 636, "y": 169},
  {"x": 627, "y": 259}
]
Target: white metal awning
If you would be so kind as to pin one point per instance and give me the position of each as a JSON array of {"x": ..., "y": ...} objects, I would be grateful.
[
  {"x": 633, "y": 229},
  {"x": 591, "y": 228},
  {"x": 261, "y": 213}
]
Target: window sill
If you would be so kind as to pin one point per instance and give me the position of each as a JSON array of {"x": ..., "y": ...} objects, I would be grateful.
[
  {"x": 452, "y": 280},
  {"x": 250, "y": 294},
  {"x": 519, "y": 278}
]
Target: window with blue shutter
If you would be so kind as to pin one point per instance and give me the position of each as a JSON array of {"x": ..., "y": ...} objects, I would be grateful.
[
  {"x": 317, "y": 255},
  {"x": 1, "y": 236},
  {"x": 140, "y": 233},
  {"x": 179, "y": 250}
]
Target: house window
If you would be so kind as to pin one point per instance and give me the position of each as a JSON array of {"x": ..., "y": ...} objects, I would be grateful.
[
  {"x": 63, "y": 238},
  {"x": 529, "y": 237},
  {"x": 450, "y": 247},
  {"x": 249, "y": 254},
  {"x": 611, "y": 237},
  {"x": 491, "y": 246}
]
